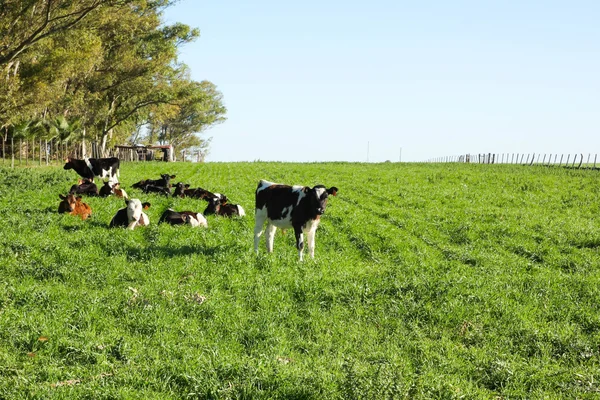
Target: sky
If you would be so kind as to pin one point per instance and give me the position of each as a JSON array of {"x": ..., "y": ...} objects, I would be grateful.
[{"x": 399, "y": 80}]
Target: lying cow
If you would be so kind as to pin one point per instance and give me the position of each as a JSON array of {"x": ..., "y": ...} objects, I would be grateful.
[
  {"x": 183, "y": 190},
  {"x": 218, "y": 205},
  {"x": 74, "y": 206},
  {"x": 283, "y": 206},
  {"x": 165, "y": 180},
  {"x": 183, "y": 217},
  {"x": 108, "y": 189},
  {"x": 157, "y": 189},
  {"x": 91, "y": 167},
  {"x": 132, "y": 215},
  {"x": 84, "y": 186}
]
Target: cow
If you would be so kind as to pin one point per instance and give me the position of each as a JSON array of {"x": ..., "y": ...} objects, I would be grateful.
[
  {"x": 283, "y": 206},
  {"x": 218, "y": 205},
  {"x": 157, "y": 189},
  {"x": 183, "y": 217},
  {"x": 118, "y": 191},
  {"x": 106, "y": 189},
  {"x": 84, "y": 186},
  {"x": 91, "y": 167},
  {"x": 183, "y": 190},
  {"x": 74, "y": 206},
  {"x": 165, "y": 180},
  {"x": 132, "y": 215}
]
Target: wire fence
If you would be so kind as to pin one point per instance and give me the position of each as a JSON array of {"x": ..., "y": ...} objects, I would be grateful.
[{"x": 579, "y": 160}]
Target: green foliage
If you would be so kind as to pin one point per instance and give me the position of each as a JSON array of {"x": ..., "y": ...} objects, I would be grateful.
[
  {"x": 111, "y": 65},
  {"x": 429, "y": 281}
]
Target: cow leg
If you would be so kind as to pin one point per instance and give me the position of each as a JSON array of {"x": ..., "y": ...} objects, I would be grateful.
[
  {"x": 310, "y": 238},
  {"x": 270, "y": 236},
  {"x": 132, "y": 225},
  {"x": 299, "y": 241},
  {"x": 260, "y": 218}
]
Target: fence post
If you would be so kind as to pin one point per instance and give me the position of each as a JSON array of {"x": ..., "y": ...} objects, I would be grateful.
[
  {"x": 595, "y": 156},
  {"x": 567, "y": 162},
  {"x": 574, "y": 158},
  {"x": 580, "y": 161},
  {"x": 587, "y": 163}
]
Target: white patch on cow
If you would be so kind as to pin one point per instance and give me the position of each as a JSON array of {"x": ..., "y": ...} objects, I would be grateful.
[
  {"x": 241, "y": 211},
  {"x": 144, "y": 220},
  {"x": 134, "y": 213},
  {"x": 197, "y": 220},
  {"x": 299, "y": 190},
  {"x": 264, "y": 184},
  {"x": 89, "y": 165},
  {"x": 320, "y": 192},
  {"x": 260, "y": 218}
]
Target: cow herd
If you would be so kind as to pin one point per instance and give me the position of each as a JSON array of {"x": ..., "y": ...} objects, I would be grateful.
[{"x": 280, "y": 206}]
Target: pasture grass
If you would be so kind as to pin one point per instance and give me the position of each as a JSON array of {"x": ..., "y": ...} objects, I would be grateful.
[{"x": 430, "y": 281}]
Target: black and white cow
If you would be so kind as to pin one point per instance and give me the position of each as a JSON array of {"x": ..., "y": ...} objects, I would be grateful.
[
  {"x": 84, "y": 186},
  {"x": 131, "y": 216},
  {"x": 91, "y": 167},
  {"x": 283, "y": 206},
  {"x": 183, "y": 217},
  {"x": 218, "y": 205}
]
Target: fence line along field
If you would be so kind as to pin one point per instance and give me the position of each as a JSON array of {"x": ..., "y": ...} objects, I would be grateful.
[{"x": 429, "y": 281}]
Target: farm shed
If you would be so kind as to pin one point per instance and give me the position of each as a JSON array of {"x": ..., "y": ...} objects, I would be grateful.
[{"x": 145, "y": 153}]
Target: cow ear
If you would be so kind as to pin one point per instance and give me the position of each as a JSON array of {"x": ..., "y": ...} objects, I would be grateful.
[
  {"x": 187, "y": 186},
  {"x": 173, "y": 176},
  {"x": 224, "y": 200},
  {"x": 146, "y": 206},
  {"x": 79, "y": 198},
  {"x": 62, "y": 197},
  {"x": 332, "y": 191}
]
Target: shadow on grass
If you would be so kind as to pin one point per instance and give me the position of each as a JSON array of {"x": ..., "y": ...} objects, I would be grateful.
[{"x": 166, "y": 251}]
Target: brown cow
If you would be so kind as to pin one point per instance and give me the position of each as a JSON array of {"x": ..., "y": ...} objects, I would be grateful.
[{"x": 74, "y": 206}]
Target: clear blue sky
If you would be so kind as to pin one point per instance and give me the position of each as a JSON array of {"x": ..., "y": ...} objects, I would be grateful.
[{"x": 327, "y": 80}]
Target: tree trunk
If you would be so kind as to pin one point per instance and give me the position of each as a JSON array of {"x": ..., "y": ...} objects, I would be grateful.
[
  {"x": 83, "y": 149},
  {"x": 104, "y": 141},
  {"x": 46, "y": 151},
  {"x": 12, "y": 150},
  {"x": 40, "y": 152},
  {"x": 20, "y": 151}
]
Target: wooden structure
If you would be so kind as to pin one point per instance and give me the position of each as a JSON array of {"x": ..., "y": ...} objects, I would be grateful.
[{"x": 145, "y": 153}]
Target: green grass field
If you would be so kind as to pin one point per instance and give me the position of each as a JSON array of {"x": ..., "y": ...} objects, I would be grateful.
[{"x": 430, "y": 281}]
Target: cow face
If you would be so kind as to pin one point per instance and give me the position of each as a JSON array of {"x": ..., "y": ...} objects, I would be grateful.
[
  {"x": 68, "y": 164},
  {"x": 180, "y": 189},
  {"x": 213, "y": 207},
  {"x": 69, "y": 201},
  {"x": 317, "y": 198}
]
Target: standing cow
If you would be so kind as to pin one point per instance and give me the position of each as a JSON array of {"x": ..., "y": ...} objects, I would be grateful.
[
  {"x": 91, "y": 167},
  {"x": 283, "y": 206}
]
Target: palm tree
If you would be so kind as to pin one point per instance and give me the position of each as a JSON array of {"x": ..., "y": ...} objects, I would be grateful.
[
  {"x": 20, "y": 131},
  {"x": 64, "y": 130}
]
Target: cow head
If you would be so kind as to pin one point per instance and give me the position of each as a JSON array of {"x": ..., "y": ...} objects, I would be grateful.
[
  {"x": 317, "y": 198},
  {"x": 168, "y": 178},
  {"x": 180, "y": 189},
  {"x": 68, "y": 163},
  {"x": 213, "y": 207},
  {"x": 69, "y": 200}
]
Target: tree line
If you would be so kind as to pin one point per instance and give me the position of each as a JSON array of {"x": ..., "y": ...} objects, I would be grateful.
[{"x": 75, "y": 71}]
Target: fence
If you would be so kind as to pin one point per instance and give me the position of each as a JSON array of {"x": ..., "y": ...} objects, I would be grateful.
[
  {"x": 558, "y": 160},
  {"x": 48, "y": 152},
  {"x": 30, "y": 152}
]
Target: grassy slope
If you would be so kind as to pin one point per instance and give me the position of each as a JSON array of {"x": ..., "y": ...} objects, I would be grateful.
[{"x": 430, "y": 281}]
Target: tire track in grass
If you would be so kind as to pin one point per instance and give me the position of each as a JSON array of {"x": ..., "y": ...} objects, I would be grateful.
[
  {"x": 394, "y": 223},
  {"x": 377, "y": 246}
]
